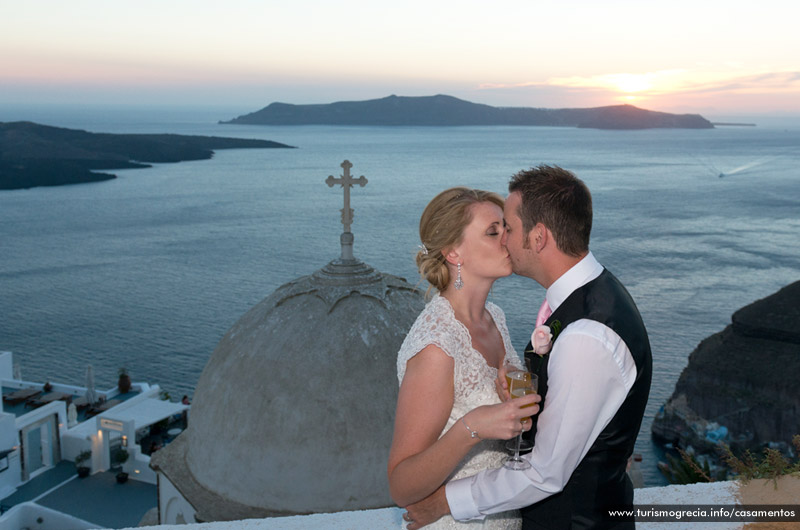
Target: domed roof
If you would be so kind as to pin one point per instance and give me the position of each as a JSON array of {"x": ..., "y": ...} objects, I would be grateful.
[{"x": 294, "y": 411}]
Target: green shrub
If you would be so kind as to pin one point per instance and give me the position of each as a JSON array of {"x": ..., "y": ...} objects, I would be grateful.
[{"x": 771, "y": 466}]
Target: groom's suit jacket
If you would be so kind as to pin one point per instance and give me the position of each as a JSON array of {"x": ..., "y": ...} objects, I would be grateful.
[{"x": 600, "y": 481}]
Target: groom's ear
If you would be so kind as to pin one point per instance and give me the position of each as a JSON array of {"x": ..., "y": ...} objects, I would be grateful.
[
  {"x": 533, "y": 237},
  {"x": 538, "y": 237}
]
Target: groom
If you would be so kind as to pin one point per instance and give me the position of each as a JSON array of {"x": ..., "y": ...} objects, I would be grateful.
[{"x": 594, "y": 382}]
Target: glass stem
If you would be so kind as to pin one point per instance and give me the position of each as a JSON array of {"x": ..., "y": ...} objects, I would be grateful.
[{"x": 516, "y": 449}]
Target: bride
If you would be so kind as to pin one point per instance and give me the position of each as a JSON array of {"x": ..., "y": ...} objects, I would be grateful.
[{"x": 450, "y": 419}]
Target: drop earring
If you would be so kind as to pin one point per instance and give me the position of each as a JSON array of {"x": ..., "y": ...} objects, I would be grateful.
[{"x": 459, "y": 283}]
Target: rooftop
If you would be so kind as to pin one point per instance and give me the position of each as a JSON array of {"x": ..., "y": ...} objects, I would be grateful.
[
  {"x": 108, "y": 504},
  {"x": 66, "y": 393}
]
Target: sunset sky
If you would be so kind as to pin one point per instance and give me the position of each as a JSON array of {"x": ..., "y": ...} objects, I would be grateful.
[{"x": 706, "y": 56}]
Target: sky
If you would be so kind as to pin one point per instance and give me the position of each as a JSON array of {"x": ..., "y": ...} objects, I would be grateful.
[{"x": 701, "y": 56}]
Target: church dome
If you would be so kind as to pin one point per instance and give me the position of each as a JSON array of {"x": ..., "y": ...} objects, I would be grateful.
[{"x": 294, "y": 411}]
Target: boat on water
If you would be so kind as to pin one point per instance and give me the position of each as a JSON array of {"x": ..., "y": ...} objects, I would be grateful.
[{"x": 48, "y": 430}]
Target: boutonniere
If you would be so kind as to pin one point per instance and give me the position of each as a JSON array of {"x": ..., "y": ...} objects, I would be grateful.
[{"x": 542, "y": 338}]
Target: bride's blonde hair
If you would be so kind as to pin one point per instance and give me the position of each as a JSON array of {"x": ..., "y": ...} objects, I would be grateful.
[{"x": 441, "y": 227}]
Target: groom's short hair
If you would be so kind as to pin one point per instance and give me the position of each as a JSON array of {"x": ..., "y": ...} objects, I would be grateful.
[{"x": 559, "y": 200}]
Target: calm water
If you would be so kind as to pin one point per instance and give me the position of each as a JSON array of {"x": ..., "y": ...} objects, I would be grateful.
[{"x": 148, "y": 271}]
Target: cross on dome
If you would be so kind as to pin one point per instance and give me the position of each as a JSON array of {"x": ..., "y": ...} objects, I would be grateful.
[{"x": 347, "y": 181}]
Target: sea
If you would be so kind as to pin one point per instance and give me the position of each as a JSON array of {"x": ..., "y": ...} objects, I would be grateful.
[{"x": 149, "y": 270}]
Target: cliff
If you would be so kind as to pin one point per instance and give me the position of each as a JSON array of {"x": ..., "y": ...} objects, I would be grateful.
[
  {"x": 444, "y": 110},
  {"x": 744, "y": 378},
  {"x": 39, "y": 155}
]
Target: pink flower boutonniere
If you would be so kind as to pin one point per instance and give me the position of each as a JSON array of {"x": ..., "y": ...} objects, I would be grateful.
[{"x": 542, "y": 340}]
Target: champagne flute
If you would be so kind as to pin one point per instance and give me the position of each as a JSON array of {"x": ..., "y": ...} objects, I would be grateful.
[
  {"x": 522, "y": 384},
  {"x": 524, "y": 445}
]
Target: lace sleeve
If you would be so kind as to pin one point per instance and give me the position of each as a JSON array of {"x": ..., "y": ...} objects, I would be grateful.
[{"x": 431, "y": 327}]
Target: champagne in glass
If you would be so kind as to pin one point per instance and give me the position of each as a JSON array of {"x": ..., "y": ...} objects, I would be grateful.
[
  {"x": 516, "y": 375},
  {"x": 524, "y": 374},
  {"x": 520, "y": 392},
  {"x": 521, "y": 386}
]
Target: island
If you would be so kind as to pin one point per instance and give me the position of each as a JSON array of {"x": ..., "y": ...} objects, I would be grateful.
[
  {"x": 443, "y": 110},
  {"x": 40, "y": 155},
  {"x": 740, "y": 386}
]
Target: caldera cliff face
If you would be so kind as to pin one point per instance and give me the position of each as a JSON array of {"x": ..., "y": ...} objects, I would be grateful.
[{"x": 744, "y": 378}]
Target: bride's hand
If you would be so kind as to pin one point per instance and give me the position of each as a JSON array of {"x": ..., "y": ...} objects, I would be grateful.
[{"x": 503, "y": 421}]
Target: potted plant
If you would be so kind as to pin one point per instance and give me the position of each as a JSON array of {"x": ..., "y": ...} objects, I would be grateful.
[
  {"x": 80, "y": 463},
  {"x": 124, "y": 381},
  {"x": 119, "y": 457}
]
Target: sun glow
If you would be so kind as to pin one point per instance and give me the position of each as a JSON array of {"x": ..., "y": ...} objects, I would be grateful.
[
  {"x": 630, "y": 82},
  {"x": 627, "y": 83}
]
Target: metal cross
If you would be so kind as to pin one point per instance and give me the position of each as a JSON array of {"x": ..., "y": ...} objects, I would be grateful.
[{"x": 347, "y": 182}]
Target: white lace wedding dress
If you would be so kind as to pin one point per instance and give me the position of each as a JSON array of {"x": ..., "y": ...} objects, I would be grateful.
[{"x": 474, "y": 380}]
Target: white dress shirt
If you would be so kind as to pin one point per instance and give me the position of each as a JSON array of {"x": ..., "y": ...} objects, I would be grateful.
[{"x": 590, "y": 373}]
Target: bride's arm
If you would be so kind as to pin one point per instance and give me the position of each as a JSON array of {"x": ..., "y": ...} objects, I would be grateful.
[{"x": 420, "y": 461}]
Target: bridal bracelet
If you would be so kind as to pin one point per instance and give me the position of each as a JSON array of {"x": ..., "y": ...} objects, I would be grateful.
[{"x": 472, "y": 434}]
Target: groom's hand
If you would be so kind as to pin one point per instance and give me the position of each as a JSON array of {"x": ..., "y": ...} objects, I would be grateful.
[
  {"x": 501, "y": 385},
  {"x": 428, "y": 510}
]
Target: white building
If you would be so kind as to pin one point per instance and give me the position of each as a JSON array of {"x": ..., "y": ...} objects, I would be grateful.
[{"x": 34, "y": 440}]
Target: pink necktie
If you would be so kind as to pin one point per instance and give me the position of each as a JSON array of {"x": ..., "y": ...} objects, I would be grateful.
[{"x": 544, "y": 313}]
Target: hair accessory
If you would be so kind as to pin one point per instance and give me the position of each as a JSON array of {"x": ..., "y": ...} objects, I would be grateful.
[
  {"x": 472, "y": 434},
  {"x": 423, "y": 249},
  {"x": 459, "y": 283}
]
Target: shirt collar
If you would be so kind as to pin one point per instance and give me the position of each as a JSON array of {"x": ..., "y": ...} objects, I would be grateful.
[{"x": 579, "y": 275}]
